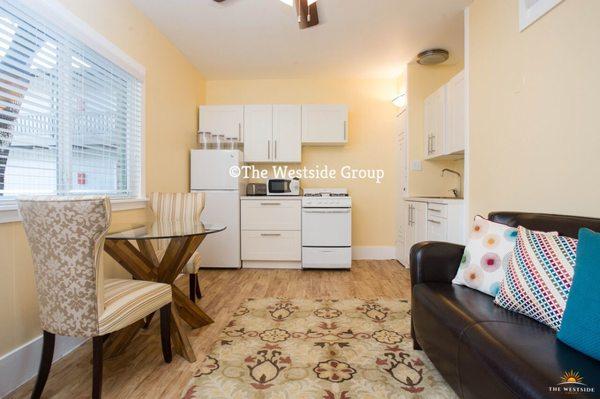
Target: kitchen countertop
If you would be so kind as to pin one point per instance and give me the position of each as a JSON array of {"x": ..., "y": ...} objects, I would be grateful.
[{"x": 435, "y": 200}]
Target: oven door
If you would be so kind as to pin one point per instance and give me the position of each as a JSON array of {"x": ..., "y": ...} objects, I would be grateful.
[{"x": 326, "y": 227}]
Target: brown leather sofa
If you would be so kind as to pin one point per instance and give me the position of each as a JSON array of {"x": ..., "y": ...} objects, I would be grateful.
[{"x": 483, "y": 350}]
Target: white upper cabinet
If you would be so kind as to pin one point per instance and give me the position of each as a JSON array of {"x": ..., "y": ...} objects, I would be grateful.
[
  {"x": 287, "y": 133},
  {"x": 456, "y": 114},
  {"x": 227, "y": 120},
  {"x": 272, "y": 133},
  {"x": 324, "y": 124},
  {"x": 258, "y": 133},
  {"x": 444, "y": 119},
  {"x": 434, "y": 123}
]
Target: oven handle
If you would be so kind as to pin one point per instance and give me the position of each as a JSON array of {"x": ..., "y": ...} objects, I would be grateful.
[{"x": 332, "y": 211}]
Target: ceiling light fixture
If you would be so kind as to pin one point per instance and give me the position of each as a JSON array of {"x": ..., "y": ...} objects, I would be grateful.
[{"x": 433, "y": 56}]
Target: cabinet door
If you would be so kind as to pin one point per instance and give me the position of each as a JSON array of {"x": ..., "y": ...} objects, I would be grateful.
[
  {"x": 420, "y": 221},
  {"x": 287, "y": 133},
  {"x": 227, "y": 120},
  {"x": 324, "y": 124},
  {"x": 258, "y": 133},
  {"x": 437, "y": 228},
  {"x": 409, "y": 235},
  {"x": 435, "y": 123},
  {"x": 401, "y": 233},
  {"x": 455, "y": 118}
]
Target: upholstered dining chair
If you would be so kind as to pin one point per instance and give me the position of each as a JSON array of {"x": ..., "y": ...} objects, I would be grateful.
[
  {"x": 186, "y": 207},
  {"x": 66, "y": 236}
]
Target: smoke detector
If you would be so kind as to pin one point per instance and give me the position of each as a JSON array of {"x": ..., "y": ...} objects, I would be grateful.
[{"x": 433, "y": 56}]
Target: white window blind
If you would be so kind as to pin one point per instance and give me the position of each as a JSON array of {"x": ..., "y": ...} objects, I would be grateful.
[{"x": 70, "y": 119}]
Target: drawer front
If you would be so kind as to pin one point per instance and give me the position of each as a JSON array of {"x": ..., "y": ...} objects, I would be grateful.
[
  {"x": 271, "y": 215},
  {"x": 437, "y": 210},
  {"x": 271, "y": 245},
  {"x": 437, "y": 228},
  {"x": 326, "y": 258}
]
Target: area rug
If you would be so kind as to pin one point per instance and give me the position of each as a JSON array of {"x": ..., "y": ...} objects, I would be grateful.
[{"x": 280, "y": 348}]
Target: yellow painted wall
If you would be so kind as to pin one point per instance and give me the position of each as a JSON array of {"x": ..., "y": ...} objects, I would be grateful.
[
  {"x": 370, "y": 140},
  {"x": 534, "y": 99},
  {"x": 174, "y": 88},
  {"x": 421, "y": 82}
]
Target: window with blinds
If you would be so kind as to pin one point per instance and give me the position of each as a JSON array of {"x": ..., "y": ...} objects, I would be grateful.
[{"x": 70, "y": 119}]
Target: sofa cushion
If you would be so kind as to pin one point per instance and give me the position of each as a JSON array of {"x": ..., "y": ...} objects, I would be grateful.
[
  {"x": 539, "y": 276},
  {"x": 486, "y": 255},
  {"x": 524, "y": 356},
  {"x": 440, "y": 314},
  {"x": 580, "y": 327}
]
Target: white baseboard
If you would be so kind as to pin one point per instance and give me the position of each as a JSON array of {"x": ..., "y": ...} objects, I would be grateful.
[
  {"x": 375, "y": 253},
  {"x": 21, "y": 364}
]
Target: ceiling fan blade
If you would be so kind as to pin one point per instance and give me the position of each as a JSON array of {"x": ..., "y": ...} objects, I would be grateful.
[{"x": 304, "y": 11}]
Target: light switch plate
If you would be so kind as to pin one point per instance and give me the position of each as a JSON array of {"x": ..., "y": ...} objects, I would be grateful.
[{"x": 416, "y": 165}]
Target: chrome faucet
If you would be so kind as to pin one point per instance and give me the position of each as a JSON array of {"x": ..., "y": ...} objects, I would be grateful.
[{"x": 457, "y": 192}]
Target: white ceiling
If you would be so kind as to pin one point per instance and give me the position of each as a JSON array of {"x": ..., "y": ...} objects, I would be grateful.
[{"x": 258, "y": 39}]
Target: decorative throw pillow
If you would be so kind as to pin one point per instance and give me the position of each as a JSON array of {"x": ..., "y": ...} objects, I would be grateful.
[
  {"x": 486, "y": 256},
  {"x": 539, "y": 276},
  {"x": 580, "y": 326}
]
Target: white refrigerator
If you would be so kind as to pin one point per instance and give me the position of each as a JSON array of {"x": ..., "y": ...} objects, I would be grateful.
[{"x": 210, "y": 174}]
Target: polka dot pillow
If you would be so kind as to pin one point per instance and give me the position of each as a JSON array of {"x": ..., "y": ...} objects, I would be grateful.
[{"x": 486, "y": 255}]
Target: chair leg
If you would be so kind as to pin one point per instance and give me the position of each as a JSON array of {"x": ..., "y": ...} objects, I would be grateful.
[
  {"x": 192, "y": 287},
  {"x": 45, "y": 364},
  {"x": 148, "y": 320},
  {"x": 97, "y": 373},
  {"x": 165, "y": 332},
  {"x": 198, "y": 292}
]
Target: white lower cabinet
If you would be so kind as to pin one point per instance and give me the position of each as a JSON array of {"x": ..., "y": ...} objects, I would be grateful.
[
  {"x": 416, "y": 228},
  {"x": 271, "y": 232},
  {"x": 271, "y": 245},
  {"x": 429, "y": 219}
]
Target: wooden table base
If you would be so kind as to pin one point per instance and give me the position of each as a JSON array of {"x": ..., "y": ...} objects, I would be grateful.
[{"x": 143, "y": 264}]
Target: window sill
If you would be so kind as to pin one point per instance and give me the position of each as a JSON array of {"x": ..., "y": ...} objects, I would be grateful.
[{"x": 9, "y": 212}]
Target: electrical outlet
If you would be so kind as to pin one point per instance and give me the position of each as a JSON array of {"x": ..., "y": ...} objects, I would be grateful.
[{"x": 416, "y": 165}]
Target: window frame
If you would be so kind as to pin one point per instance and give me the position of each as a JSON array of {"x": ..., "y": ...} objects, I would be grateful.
[{"x": 80, "y": 30}]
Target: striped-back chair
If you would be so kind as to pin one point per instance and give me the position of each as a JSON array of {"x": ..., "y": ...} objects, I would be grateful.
[
  {"x": 184, "y": 207},
  {"x": 66, "y": 236}
]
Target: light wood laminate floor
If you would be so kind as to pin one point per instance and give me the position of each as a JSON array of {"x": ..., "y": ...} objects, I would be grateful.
[{"x": 140, "y": 371}]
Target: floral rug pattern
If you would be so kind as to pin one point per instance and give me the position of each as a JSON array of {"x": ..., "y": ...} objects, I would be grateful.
[{"x": 277, "y": 348}]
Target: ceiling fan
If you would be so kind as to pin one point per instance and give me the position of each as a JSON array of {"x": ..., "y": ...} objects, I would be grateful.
[{"x": 306, "y": 10}]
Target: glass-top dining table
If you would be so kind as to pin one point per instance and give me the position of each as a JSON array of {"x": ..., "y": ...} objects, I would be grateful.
[{"x": 143, "y": 263}]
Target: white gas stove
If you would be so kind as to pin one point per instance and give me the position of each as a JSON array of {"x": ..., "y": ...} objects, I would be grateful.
[{"x": 326, "y": 229}]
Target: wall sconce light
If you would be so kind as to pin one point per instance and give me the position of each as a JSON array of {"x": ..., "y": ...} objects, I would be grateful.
[{"x": 400, "y": 101}]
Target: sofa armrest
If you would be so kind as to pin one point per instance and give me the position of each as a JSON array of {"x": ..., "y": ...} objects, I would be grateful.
[{"x": 434, "y": 262}]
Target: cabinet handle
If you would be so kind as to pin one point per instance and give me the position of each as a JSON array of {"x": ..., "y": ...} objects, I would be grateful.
[
  {"x": 345, "y": 130},
  {"x": 430, "y": 147},
  {"x": 275, "y": 156},
  {"x": 434, "y": 221},
  {"x": 270, "y": 234},
  {"x": 268, "y": 149},
  {"x": 435, "y": 210},
  {"x": 270, "y": 203},
  {"x": 432, "y": 144},
  {"x": 239, "y": 131}
]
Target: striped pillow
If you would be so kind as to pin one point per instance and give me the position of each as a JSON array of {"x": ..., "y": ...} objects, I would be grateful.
[{"x": 539, "y": 276}]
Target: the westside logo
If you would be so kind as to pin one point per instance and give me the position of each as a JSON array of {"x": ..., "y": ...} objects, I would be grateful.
[{"x": 571, "y": 382}]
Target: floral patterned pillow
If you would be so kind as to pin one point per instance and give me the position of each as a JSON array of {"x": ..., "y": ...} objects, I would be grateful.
[{"x": 486, "y": 255}]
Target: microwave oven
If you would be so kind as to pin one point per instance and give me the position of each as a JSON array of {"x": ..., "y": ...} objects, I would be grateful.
[{"x": 283, "y": 187}]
